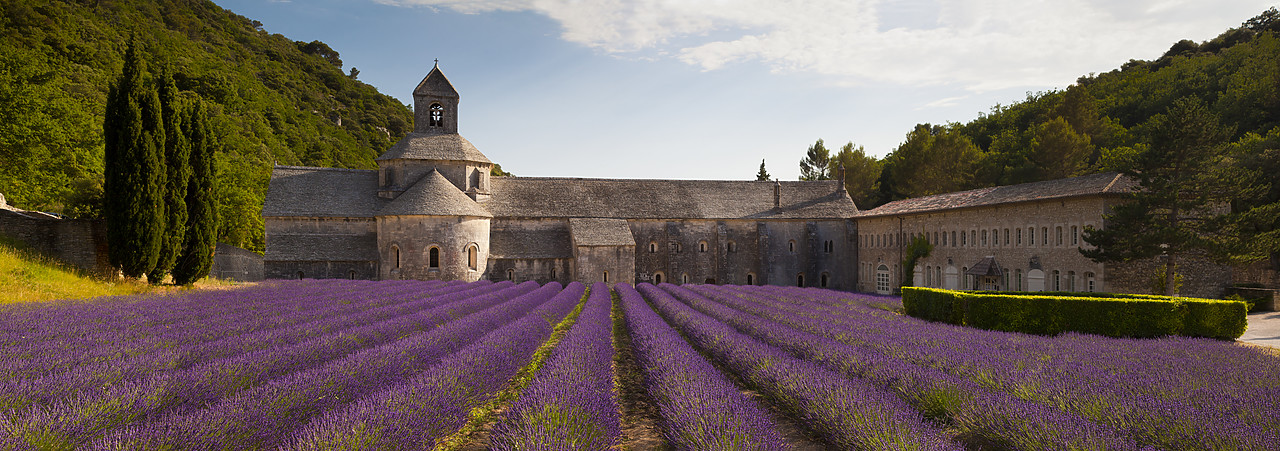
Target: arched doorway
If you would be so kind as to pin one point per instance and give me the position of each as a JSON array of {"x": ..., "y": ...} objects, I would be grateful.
[{"x": 882, "y": 280}]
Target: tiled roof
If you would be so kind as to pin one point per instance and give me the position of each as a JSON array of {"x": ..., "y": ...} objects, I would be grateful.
[
  {"x": 1096, "y": 184},
  {"x": 600, "y": 232},
  {"x": 286, "y": 247},
  {"x": 664, "y": 199},
  {"x": 433, "y": 195},
  {"x": 435, "y": 84},
  {"x": 322, "y": 192},
  {"x": 419, "y": 146},
  {"x": 535, "y": 243},
  {"x": 985, "y": 267}
]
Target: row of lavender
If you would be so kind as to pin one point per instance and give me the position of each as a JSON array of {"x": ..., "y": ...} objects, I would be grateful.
[
  {"x": 1024, "y": 392},
  {"x": 267, "y": 367}
]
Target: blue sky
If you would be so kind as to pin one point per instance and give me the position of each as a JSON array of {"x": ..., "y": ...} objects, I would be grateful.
[{"x": 704, "y": 89}]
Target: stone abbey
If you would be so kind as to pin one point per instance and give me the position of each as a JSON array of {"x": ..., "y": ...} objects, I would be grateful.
[{"x": 432, "y": 211}]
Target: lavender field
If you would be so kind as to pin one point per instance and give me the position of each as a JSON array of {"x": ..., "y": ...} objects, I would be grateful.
[{"x": 336, "y": 364}]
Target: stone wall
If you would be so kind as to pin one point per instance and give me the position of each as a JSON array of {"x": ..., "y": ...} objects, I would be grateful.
[
  {"x": 744, "y": 252},
  {"x": 1015, "y": 234},
  {"x": 320, "y": 248},
  {"x": 233, "y": 263},
  {"x": 413, "y": 237},
  {"x": 79, "y": 243},
  {"x": 541, "y": 270},
  {"x": 1263, "y": 272},
  {"x": 608, "y": 264}
]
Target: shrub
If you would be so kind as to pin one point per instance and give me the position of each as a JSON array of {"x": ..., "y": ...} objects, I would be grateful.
[{"x": 1110, "y": 314}]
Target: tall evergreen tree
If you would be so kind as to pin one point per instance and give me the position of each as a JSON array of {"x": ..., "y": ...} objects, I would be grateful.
[
  {"x": 1182, "y": 189},
  {"x": 201, "y": 233},
  {"x": 762, "y": 175},
  {"x": 178, "y": 172},
  {"x": 133, "y": 184},
  {"x": 815, "y": 162}
]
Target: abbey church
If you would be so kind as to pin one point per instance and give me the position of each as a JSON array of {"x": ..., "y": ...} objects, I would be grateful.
[{"x": 432, "y": 211}]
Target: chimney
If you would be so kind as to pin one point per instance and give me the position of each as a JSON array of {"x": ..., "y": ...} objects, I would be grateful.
[
  {"x": 777, "y": 194},
  {"x": 840, "y": 178}
]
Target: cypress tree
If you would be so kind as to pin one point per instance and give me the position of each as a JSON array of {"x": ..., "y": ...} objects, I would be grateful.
[
  {"x": 134, "y": 139},
  {"x": 176, "y": 151},
  {"x": 198, "y": 245}
]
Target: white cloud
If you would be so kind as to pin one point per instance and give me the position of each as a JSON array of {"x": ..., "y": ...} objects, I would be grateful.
[{"x": 976, "y": 44}]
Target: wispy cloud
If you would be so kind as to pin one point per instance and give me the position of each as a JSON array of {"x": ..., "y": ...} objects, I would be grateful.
[{"x": 976, "y": 44}]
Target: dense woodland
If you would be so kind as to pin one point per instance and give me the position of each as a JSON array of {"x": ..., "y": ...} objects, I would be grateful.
[
  {"x": 273, "y": 100},
  {"x": 1105, "y": 122}
]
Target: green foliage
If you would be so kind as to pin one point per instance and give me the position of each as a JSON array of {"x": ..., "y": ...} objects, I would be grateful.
[
  {"x": 816, "y": 162},
  {"x": 861, "y": 173},
  {"x": 1110, "y": 314},
  {"x": 178, "y": 174},
  {"x": 933, "y": 160},
  {"x": 134, "y": 186},
  {"x": 918, "y": 248},
  {"x": 1183, "y": 176},
  {"x": 199, "y": 240},
  {"x": 269, "y": 101},
  {"x": 762, "y": 175},
  {"x": 498, "y": 172}
]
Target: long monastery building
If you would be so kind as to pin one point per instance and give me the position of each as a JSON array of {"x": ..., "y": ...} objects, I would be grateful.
[{"x": 432, "y": 211}]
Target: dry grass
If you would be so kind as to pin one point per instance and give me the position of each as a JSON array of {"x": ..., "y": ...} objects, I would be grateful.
[{"x": 27, "y": 276}]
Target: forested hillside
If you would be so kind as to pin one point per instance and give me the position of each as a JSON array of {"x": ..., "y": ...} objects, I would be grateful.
[
  {"x": 1083, "y": 128},
  {"x": 275, "y": 101}
]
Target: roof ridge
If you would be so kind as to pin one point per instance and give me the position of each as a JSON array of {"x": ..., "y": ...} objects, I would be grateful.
[
  {"x": 623, "y": 179},
  {"x": 320, "y": 168}
]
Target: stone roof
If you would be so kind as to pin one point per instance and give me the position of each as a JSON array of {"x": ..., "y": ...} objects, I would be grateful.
[
  {"x": 322, "y": 192},
  {"x": 1088, "y": 185},
  {"x": 419, "y": 146},
  {"x": 435, "y": 84},
  {"x": 286, "y": 247},
  {"x": 522, "y": 243},
  {"x": 985, "y": 267},
  {"x": 600, "y": 232},
  {"x": 665, "y": 199},
  {"x": 433, "y": 195}
]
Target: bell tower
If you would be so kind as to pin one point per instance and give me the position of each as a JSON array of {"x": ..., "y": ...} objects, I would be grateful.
[{"x": 435, "y": 105}]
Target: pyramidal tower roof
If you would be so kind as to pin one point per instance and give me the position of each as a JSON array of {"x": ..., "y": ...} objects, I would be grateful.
[{"x": 435, "y": 84}]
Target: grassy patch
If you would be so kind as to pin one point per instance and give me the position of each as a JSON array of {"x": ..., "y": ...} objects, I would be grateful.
[{"x": 28, "y": 276}]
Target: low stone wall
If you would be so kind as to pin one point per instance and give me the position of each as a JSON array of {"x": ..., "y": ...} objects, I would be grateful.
[
  {"x": 233, "y": 263},
  {"x": 1262, "y": 272},
  {"x": 78, "y": 242}
]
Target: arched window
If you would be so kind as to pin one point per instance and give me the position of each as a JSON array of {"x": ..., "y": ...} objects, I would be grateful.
[
  {"x": 684, "y": 278},
  {"x": 433, "y": 258},
  {"x": 984, "y": 237},
  {"x": 928, "y": 276},
  {"x": 1044, "y": 236},
  {"x": 1075, "y": 235},
  {"x": 473, "y": 257},
  {"x": 300, "y": 275},
  {"x": 751, "y": 279},
  {"x": 437, "y": 116},
  {"x": 1006, "y": 237},
  {"x": 653, "y": 247},
  {"x": 822, "y": 282},
  {"x": 732, "y": 247},
  {"x": 1019, "y": 242},
  {"x": 395, "y": 254},
  {"x": 676, "y": 247},
  {"x": 800, "y": 280},
  {"x": 511, "y": 274},
  {"x": 1017, "y": 278},
  {"x": 702, "y": 246},
  {"x": 1059, "y": 240},
  {"x": 1088, "y": 282},
  {"x": 606, "y": 277},
  {"x": 937, "y": 274},
  {"x": 791, "y": 246},
  {"x": 1057, "y": 280},
  {"x": 657, "y": 278},
  {"x": 351, "y": 274},
  {"x": 553, "y": 273},
  {"x": 1071, "y": 281}
]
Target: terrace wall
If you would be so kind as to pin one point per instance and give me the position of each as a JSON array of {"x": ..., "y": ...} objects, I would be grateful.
[
  {"x": 78, "y": 242},
  {"x": 233, "y": 263}
]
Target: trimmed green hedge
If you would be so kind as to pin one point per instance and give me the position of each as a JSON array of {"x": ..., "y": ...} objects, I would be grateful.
[{"x": 1110, "y": 314}]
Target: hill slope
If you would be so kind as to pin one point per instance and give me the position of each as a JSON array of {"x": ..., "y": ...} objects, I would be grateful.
[{"x": 277, "y": 101}]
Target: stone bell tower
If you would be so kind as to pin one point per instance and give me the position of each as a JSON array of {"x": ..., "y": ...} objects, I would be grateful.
[{"x": 435, "y": 105}]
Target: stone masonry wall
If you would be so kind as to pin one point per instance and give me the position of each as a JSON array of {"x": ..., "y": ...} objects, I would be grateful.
[
  {"x": 233, "y": 263},
  {"x": 79, "y": 243}
]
